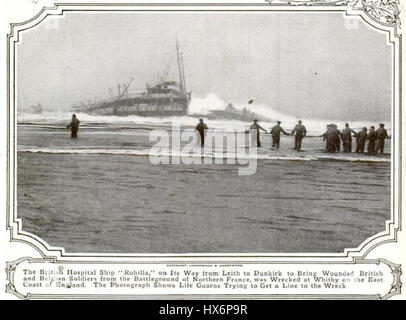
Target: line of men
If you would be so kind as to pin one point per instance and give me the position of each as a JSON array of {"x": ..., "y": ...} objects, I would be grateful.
[
  {"x": 333, "y": 137},
  {"x": 376, "y": 139},
  {"x": 299, "y": 131}
]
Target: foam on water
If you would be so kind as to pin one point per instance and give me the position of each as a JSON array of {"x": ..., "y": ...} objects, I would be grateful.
[{"x": 215, "y": 154}]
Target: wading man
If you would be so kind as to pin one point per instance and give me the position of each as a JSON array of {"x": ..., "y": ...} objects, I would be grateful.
[
  {"x": 346, "y": 137},
  {"x": 325, "y": 136},
  {"x": 361, "y": 136},
  {"x": 337, "y": 138},
  {"x": 74, "y": 126},
  {"x": 300, "y": 131},
  {"x": 257, "y": 127},
  {"x": 371, "y": 140},
  {"x": 276, "y": 135},
  {"x": 333, "y": 138},
  {"x": 201, "y": 128},
  {"x": 381, "y": 135}
]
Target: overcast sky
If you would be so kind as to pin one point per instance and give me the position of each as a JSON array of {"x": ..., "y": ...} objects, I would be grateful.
[{"x": 304, "y": 64}]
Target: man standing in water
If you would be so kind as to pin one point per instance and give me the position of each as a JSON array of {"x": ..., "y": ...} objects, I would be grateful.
[
  {"x": 336, "y": 138},
  {"x": 74, "y": 125},
  {"x": 276, "y": 135},
  {"x": 361, "y": 136},
  {"x": 381, "y": 135},
  {"x": 201, "y": 127},
  {"x": 346, "y": 136},
  {"x": 371, "y": 140},
  {"x": 257, "y": 127},
  {"x": 300, "y": 134},
  {"x": 326, "y": 137}
]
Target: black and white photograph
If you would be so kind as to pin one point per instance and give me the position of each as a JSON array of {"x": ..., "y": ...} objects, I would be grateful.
[
  {"x": 208, "y": 133},
  {"x": 94, "y": 88}
]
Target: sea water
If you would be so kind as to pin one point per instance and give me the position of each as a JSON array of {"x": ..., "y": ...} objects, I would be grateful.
[{"x": 101, "y": 193}]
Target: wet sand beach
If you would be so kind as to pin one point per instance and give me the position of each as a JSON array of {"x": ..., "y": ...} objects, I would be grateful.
[{"x": 121, "y": 203}]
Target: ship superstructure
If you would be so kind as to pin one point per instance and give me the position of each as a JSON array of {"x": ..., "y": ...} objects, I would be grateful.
[{"x": 162, "y": 99}]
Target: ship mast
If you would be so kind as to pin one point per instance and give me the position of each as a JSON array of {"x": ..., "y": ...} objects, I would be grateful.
[
  {"x": 183, "y": 73},
  {"x": 180, "y": 68}
]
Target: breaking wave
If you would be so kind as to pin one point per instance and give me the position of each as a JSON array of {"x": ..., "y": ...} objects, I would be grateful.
[{"x": 198, "y": 107}]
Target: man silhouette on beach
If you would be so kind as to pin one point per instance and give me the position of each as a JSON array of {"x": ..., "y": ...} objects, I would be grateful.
[
  {"x": 361, "y": 138},
  {"x": 300, "y": 131},
  {"x": 346, "y": 137},
  {"x": 371, "y": 140},
  {"x": 74, "y": 125},
  {"x": 276, "y": 135},
  {"x": 257, "y": 127},
  {"x": 201, "y": 128},
  {"x": 381, "y": 135}
]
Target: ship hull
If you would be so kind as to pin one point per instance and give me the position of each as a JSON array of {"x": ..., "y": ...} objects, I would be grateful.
[
  {"x": 138, "y": 113},
  {"x": 139, "y": 107}
]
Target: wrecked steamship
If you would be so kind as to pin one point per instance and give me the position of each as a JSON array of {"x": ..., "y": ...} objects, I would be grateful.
[{"x": 166, "y": 98}]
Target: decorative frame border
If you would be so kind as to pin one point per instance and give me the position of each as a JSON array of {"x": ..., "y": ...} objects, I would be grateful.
[{"x": 382, "y": 15}]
